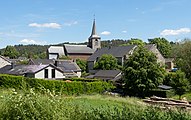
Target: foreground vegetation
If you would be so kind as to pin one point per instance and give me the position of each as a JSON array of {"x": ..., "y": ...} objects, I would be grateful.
[{"x": 27, "y": 104}]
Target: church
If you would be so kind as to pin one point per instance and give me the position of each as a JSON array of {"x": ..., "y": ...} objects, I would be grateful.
[{"x": 77, "y": 51}]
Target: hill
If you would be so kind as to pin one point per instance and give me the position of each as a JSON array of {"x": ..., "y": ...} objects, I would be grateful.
[{"x": 39, "y": 51}]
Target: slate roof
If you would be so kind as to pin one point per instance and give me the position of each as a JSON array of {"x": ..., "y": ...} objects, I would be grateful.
[
  {"x": 79, "y": 49},
  {"x": 119, "y": 51},
  {"x": 41, "y": 61},
  {"x": 22, "y": 69},
  {"x": 107, "y": 73},
  {"x": 68, "y": 66},
  {"x": 65, "y": 65},
  {"x": 56, "y": 49},
  {"x": 165, "y": 87}
]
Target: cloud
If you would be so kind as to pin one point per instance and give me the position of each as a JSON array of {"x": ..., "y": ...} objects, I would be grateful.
[
  {"x": 29, "y": 41},
  {"x": 168, "y": 32},
  {"x": 71, "y": 23},
  {"x": 105, "y": 33},
  {"x": 124, "y": 31},
  {"x": 46, "y": 25}
]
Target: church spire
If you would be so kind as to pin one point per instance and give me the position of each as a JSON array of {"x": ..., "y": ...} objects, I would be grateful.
[
  {"x": 94, "y": 39},
  {"x": 94, "y": 28}
]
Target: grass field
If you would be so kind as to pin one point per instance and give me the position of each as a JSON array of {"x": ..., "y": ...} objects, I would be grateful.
[{"x": 27, "y": 105}]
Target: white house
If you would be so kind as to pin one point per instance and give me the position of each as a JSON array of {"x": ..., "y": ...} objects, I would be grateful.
[{"x": 35, "y": 71}]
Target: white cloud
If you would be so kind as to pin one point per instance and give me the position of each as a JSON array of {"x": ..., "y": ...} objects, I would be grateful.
[
  {"x": 167, "y": 32},
  {"x": 124, "y": 31},
  {"x": 29, "y": 41},
  {"x": 105, "y": 33},
  {"x": 71, "y": 23},
  {"x": 46, "y": 25}
]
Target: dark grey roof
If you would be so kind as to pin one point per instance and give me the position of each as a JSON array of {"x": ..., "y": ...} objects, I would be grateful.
[
  {"x": 64, "y": 65},
  {"x": 165, "y": 87},
  {"x": 22, "y": 69},
  {"x": 107, "y": 73},
  {"x": 119, "y": 51},
  {"x": 41, "y": 61},
  {"x": 67, "y": 66},
  {"x": 80, "y": 49}
]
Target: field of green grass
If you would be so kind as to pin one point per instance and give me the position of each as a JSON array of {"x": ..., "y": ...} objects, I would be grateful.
[{"x": 27, "y": 105}]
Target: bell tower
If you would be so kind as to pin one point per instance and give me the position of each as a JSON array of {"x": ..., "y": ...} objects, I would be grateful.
[{"x": 94, "y": 40}]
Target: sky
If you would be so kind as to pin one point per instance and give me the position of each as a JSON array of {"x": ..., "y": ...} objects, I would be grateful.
[{"x": 58, "y": 21}]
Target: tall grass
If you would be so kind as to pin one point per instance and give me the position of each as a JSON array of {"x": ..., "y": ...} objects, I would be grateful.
[{"x": 28, "y": 105}]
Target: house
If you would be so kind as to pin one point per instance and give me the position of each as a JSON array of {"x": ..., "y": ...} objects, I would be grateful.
[
  {"x": 47, "y": 71},
  {"x": 69, "y": 68},
  {"x": 77, "y": 51},
  {"x": 153, "y": 48},
  {"x": 108, "y": 75},
  {"x": 4, "y": 61},
  {"x": 122, "y": 53}
]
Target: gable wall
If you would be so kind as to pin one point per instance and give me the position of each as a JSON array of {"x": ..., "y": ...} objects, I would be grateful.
[
  {"x": 58, "y": 74},
  {"x": 160, "y": 58}
]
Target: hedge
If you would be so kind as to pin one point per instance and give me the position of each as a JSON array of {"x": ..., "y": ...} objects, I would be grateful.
[
  {"x": 83, "y": 79},
  {"x": 69, "y": 88}
]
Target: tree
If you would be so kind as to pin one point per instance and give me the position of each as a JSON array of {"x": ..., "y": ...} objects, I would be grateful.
[
  {"x": 142, "y": 73},
  {"x": 182, "y": 54},
  {"x": 11, "y": 52},
  {"x": 163, "y": 46},
  {"x": 179, "y": 83},
  {"x": 82, "y": 64},
  {"x": 134, "y": 41},
  {"x": 106, "y": 62}
]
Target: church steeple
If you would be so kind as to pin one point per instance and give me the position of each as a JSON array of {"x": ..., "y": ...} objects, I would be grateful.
[
  {"x": 93, "y": 28},
  {"x": 94, "y": 39}
]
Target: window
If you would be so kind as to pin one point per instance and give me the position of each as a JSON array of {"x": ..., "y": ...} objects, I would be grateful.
[
  {"x": 53, "y": 73},
  {"x": 96, "y": 42},
  {"x": 46, "y": 73}
]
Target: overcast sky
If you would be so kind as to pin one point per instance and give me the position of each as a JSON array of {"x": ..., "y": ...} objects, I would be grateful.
[{"x": 58, "y": 21}]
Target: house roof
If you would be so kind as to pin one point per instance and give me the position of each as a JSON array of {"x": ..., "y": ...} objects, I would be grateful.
[
  {"x": 64, "y": 65},
  {"x": 119, "y": 51},
  {"x": 107, "y": 73},
  {"x": 41, "y": 61},
  {"x": 56, "y": 49},
  {"x": 68, "y": 66},
  {"x": 80, "y": 49},
  {"x": 22, "y": 69},
  {"x": 165, "y": 87}
]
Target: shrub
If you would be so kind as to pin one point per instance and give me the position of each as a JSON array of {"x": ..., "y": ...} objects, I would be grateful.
[{"x": 69, "y": 88}]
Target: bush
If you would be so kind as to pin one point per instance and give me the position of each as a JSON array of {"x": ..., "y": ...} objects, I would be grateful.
[{"x": 69, "y": 88}]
